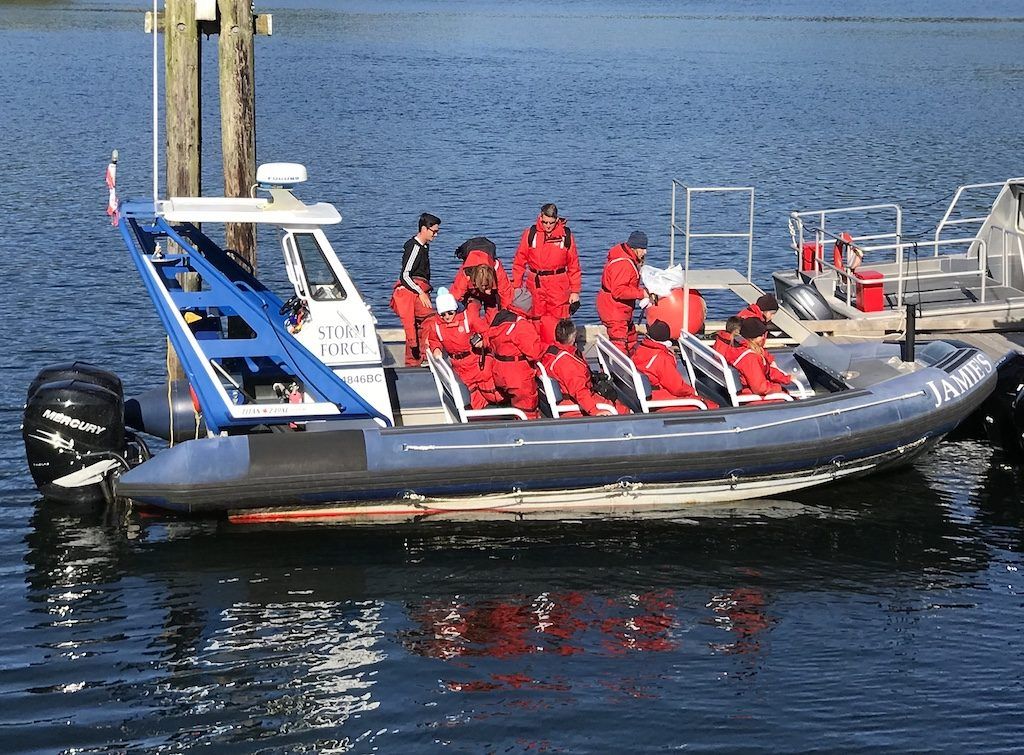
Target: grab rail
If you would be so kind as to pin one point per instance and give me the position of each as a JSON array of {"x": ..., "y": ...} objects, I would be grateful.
[{"x": 796, "y": 233}]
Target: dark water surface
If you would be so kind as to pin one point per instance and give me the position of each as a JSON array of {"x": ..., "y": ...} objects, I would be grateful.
[{"x": 882, "y": 614}]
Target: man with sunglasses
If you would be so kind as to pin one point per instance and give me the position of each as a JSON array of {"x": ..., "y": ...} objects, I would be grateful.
[
  {"x": 411, "y": 297},
  {"x": 547, "y": 262}
]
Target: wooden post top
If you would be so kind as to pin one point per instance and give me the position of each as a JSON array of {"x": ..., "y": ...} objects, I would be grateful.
[{"x": 263, "y": 24}]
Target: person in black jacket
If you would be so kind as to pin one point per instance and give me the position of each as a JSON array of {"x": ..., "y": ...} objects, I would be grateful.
[{"x": 411, "y": 298}]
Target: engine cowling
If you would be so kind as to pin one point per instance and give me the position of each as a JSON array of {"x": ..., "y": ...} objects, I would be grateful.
[{"x": 74, "y": 418}]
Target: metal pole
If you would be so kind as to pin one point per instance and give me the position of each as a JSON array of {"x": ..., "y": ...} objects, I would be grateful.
[
  {"x": 672, "y": 229},
  {"x": 750, "y": 241},
  {"x": 909, "y": 341},
  {"x": 686, "y": 267}
]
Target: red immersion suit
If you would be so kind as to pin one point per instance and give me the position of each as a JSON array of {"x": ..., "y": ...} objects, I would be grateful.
[
  {"x": 479, "y": 304},
  {"x": 516, "y": 347},
  {"x": 759, "y": 374},
  {"x": 565, "y": 365},
  {"x": 752, "y": 311},
  {"x": 474, "y": 368},
  {"x": 620, "y": 290},
  {"x": 658, "y": 362},
  {"x": 728, "y": 346},
  {"x": 415, "y": 319},
  {"x": 548, "y": 263}
]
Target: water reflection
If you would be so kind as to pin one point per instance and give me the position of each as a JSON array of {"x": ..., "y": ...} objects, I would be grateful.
[{"x": 302, "y": 635}]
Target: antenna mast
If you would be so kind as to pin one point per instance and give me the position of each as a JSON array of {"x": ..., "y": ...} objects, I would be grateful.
[{"x": 156, "y": 116}]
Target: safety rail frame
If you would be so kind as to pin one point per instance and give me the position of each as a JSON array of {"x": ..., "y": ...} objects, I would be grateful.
[
  {"x": 945, "y": 222},
  {"x": 821, "y": 232},
  {"x": 902, "y": 276},
  {"x": 689, "y": 234}
]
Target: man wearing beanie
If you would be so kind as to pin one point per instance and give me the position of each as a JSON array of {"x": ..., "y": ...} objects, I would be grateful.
[
  {"x": 458, "y": 336},
  {"x": 516, "y": 348},
  {"x": 655, "y": 358},
  {"x": 756, "y": 366},
  {"x": 763, "y": 309},
  {"x": 621, "y": 290},
  {"x": 570, "y": 370}
]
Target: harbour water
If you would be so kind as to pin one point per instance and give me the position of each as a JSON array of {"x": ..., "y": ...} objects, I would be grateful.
[{"x": 881, "y": 614}]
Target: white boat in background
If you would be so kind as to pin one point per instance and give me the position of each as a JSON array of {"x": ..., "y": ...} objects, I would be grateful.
[{"x": 856, "y": 271}]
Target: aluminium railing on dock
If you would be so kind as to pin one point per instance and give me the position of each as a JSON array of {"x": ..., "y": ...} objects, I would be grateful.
[{"x": 901, "y": 249}]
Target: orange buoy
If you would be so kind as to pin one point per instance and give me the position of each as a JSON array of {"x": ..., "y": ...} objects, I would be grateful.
[{"x": 669, "y": 310}]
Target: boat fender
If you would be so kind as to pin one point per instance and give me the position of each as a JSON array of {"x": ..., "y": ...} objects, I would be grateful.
[{"x": 806, "y": 302}]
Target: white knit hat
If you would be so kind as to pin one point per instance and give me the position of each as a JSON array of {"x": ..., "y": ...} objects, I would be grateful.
[{"x": 445, "y": 301}]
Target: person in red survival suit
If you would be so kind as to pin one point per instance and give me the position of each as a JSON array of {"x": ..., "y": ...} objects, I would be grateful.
[
  {"x": 566, "y": 365},
  {"x": 481, "y": 297},
  {"x": 411, "y": 297},
  {"x": 546, "y": 260},
  {"x": 455, "y": 334},
  {"x": 515, "y": 345},
  {"x": 756, "y": 366},
  {"x": 621, "y": 290},
  {"x": 480, "y": 252},
  {"x": 727, "y": 342},
  {"x": 655, "y": 358},
  {"x": 763, "y": 309}
]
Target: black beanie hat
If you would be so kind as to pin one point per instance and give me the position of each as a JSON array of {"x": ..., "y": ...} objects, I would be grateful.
[
  {"x": 752, "y": 327},
  {"x": 659, "y": 331},
  {"x": 768, "y": 303}
]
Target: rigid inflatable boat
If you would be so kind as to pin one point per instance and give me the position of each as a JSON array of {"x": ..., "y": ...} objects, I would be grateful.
[{"x": 293, "y": 409}]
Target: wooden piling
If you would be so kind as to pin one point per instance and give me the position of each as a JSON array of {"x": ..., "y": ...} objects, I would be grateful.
[
  {"x": 238, "y": 114},
  {"x": 182, "y": 98},
  {"x": 182, "y": 118},
  {"x": 236, "y": 27}
]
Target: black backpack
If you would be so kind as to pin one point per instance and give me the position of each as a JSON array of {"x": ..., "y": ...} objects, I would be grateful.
[{"x": 477, "y": 244}]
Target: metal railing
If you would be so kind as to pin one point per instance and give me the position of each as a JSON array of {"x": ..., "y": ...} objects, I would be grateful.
[
  {"x": 901, "y": 252},
  {"x": 688, "y": 233},
  {"x": 946, "y": 222},
  {"x": 821, "y": 232}
]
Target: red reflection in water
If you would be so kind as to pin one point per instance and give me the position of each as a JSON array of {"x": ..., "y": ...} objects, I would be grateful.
[
  {"x": 742, "y": 612},
  {"x": 559, "y": 623}
]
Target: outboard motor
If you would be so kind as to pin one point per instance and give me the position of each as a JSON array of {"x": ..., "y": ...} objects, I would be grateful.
[
  {"x": 74, "y": 432},
  {"x": 1004, "y": 410},
  {"x": 806, "y": 303}
]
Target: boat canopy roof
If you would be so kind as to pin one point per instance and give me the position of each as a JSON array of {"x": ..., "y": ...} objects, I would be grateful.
[{"x": 245, "y": 210}]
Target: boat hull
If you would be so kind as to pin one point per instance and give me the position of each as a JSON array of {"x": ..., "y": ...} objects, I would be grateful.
[{"x": 515, "y": 468}]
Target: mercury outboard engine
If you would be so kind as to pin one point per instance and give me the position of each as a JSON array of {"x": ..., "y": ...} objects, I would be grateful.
[
  {"x": 74, "y": 432},
  {"x": 806, "y": 303}
]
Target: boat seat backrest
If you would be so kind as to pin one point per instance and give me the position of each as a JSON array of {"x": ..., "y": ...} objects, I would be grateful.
[
  {"x": 634, "y": 386},
  {"x": 623, "y": 373},
  {"x": 551, "y": 394},
  {"x": 455, "y": 398},
  {"x": 712, "y": 365}
]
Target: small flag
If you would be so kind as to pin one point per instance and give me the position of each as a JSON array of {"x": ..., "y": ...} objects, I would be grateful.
[{"x": 112, "y": 209}]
